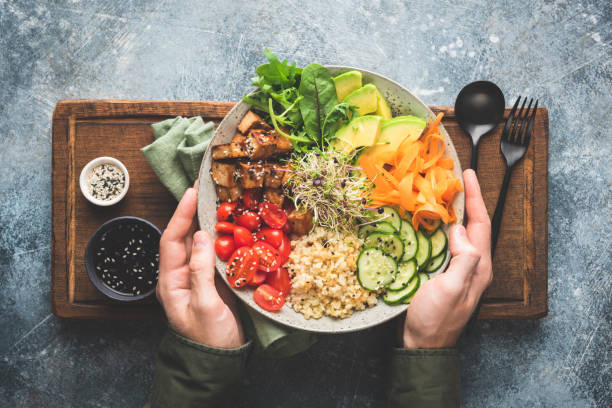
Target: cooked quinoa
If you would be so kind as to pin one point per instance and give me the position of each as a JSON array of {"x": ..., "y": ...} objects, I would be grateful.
[{"x": 322, "y": 266}]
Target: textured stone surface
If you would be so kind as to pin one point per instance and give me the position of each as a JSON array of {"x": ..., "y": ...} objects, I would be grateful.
[{"x": 175, "y": 49}]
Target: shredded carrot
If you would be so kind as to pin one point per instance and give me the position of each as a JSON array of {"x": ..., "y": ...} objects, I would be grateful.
[{"x": 417, "y": 178}]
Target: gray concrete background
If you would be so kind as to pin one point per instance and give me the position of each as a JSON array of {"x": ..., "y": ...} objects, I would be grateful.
[{"x": 558, "y": 51}]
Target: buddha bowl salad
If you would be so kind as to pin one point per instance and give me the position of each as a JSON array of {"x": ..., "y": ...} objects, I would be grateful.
[{"x": 326, "y": 200}]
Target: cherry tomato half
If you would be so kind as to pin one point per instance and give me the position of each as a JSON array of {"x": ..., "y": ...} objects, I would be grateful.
[
  {"x": 269, "y": 257},
  {"x": 225, "y": 211},
  {"x": 241, "y": 267},
  {"x": 272, "y": 215},
  {"x": 280, "y": 280},
  {"x": 268, "y": 298},
  {"x": 225, "y": 227},
  {"x": 284, "y": 249},
  {"x": 272, "y": 236},
  {"x": 239, "y": 209},
  {"x": 251, "y": 198},
  {"x": 224, "y": 247},
  {"x": 249, "y": 220},
  {"x": 259, "y": 278},
  {"x": 242, "y": 237}
]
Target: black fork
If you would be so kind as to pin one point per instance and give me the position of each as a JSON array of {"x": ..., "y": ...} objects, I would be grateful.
[{"x": 514, "y": 141}]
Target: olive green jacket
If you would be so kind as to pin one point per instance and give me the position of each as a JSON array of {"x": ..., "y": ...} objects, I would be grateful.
[{"x": 189, "y": 374}]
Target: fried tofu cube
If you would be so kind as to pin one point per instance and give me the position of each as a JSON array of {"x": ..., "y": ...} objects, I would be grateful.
[
  {"x": 230, "y": 194},
  {"x": 251, "y": 121},
  {"x": 260, "y": 144},
  {"x": 283, "y": 145},
  {"x": 223, "y": 173},
  {"x": 250, "y": 175},
  {"x": 238, "y": 138},
  {"x": 274, "y": 196},
  {"x": 229, "y": 151},
  {"x": 300, "y": 221},
  {"x": 274, "y": 174}
]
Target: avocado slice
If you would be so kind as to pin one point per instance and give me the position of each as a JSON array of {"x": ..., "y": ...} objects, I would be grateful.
[
  {"x": 394, "y": 131},
  {"x": 360, "y": 131},
  {"x": 382, "y": 108},
  {"x": 364, "y": 98},
  {"x": 347, "y": 83}
]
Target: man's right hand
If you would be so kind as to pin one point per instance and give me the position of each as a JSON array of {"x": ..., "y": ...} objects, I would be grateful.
[
  {"x": 197, "y": 306},
  {"x": 443, "y": 305}
]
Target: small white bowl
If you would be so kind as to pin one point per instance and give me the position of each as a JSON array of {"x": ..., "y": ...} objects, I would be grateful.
[{"x": 85, "y": 175}]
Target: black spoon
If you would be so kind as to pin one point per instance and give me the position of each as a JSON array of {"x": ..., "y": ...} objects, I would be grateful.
[{"x": 479, "y": 107}]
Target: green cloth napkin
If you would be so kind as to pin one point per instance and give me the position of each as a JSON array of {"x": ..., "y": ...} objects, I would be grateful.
[
  {"x": 175, "y": 156},
  {"x": 177, "y": 151}
]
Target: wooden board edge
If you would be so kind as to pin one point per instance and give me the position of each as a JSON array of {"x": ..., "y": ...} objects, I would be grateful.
[
  {"x": 94, "y": 108},
  {"x": 59, "y": 303}
]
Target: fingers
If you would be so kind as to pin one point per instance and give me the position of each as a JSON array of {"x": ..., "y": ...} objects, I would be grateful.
[
  {"x": 479, "y": 224},
  {"x": 181, "y": 221},
  {"x": 202, "y": 264}
]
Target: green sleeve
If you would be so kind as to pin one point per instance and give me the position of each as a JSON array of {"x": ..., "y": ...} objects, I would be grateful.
[
  {"x": 424, "y": 378},
  {"x": 189, "y": 374}
]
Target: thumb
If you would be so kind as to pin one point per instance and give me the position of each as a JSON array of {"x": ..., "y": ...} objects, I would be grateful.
[
  {"x": 458, "y": 240},
  {"x": 202, "y": 262},
  {"x": 465, "y": 255}
]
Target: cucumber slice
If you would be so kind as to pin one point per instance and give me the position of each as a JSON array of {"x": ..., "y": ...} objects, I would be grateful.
[
  {"x": 435, "y": 263},
  {"x": 408, "y": 236},
  {"x": 375, "y": 270},
  {"x": 391, "y": 244},
  {"x": 380, "y": 226},
  {"x": 423, "y": 277},
  {"x": 390, "y": 215},
  {"x": 393, "y": 297},
  {"x": 423, "y": 251},
  {"x": 438, "y": 242},
  {"x": 405, "y": 272}
]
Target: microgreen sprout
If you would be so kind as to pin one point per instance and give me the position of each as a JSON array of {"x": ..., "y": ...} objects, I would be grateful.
[{"x": 327, "y": 184}]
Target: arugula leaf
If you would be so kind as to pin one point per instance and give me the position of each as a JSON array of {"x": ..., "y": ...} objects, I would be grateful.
[
  {"x": 280, "y": 131},
  {"x": 336, "y": 118},
  {"x": 276, "y": 72},
  {"x": 319, "y": 92}
]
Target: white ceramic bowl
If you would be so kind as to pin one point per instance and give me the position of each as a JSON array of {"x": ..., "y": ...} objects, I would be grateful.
[
  {"x": 87, "y": 170},
  {"x": 402, "y": 102}
]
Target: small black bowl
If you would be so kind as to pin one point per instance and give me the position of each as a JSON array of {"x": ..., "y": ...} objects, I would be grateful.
[{"x": 122, "y": 258}]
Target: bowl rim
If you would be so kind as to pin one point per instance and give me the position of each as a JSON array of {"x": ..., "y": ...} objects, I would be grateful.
[
  {"x": 88, "y": 260},
  {"x": 400, "y": 308},
  {"x": 91, "y": 165}
]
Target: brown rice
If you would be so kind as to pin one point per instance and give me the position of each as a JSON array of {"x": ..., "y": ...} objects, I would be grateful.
[{"x": 323, "y": 267}]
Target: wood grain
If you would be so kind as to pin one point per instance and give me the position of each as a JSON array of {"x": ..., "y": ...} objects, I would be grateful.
[{"x": 84, "y": 130}]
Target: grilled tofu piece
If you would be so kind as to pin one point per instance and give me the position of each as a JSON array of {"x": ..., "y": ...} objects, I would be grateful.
[
  {"x": 252, "y": 121},
  {"x": 250, "y": 175},
  {"x": 274, "y": 174},
  {"x": 238, "y": 138},
  {"x": 223, "y": 173},
  {"x": 300, "y": 221},
  {"x": 283, "y": 145},
  {"x": 262, "y": 144},
  {"x": 230, "y": 194},
  {"x": 229, "y": 151},
  {"x": 274, "y": 196}
]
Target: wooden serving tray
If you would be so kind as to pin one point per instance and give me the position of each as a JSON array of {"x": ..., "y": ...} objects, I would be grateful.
[{"x": 86, "y": 129}]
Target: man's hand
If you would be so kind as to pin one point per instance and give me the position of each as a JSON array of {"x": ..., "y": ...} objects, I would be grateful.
[
  {"x": 443, "y": 305},
  {"x": 196, "y": 308}
]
